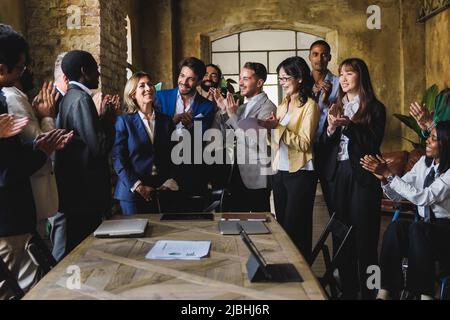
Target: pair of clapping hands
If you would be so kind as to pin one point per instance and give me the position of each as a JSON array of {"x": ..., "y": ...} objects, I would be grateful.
[
  {"x": 47, "y": 142},
  {"x": 228, "y": 104},
  {"x": 107, "y": 105}
]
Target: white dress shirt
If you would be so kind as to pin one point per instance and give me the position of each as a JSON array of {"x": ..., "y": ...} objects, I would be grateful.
[
  {"x": 82, "y": 86},
  {"x": 180, "y": 107},
  {"x": 149, "y": 126},
  {"x": 410, "y": 187},
  {"x": 350, "y": 109}
]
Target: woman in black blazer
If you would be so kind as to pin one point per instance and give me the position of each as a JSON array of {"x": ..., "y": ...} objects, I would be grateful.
[{"x": 355, "y": 127}]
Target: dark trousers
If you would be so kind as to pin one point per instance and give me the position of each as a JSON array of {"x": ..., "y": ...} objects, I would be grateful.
[
  {"x": 294, "y": 195},
  {"x": 246, "y": 200},
  {"x": 423, "y": 244},
  {"x": 140, "y": 206},
  {"x": 324, "y": 185},
  {"x": 358, "y": 206},
  {"x": 80, "y": 226}
]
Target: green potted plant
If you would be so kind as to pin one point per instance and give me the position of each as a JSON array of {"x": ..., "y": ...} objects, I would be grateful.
[{"x": 433, "y": 100}]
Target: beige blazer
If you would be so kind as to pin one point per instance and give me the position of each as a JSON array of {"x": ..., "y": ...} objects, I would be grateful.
[{"x": 298, "y": 134}]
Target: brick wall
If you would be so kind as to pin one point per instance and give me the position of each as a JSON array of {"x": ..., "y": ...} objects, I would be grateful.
[{"x": 52, "y": 29}]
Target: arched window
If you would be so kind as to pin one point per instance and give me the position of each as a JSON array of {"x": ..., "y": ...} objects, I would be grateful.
[{"x": 269, "y": 47}]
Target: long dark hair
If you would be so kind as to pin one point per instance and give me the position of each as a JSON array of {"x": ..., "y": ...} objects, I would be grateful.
[
  {"x": 366, "y": 93},
  {"x": 298, "y": 68},
  {"x": 443, "y": 137}
]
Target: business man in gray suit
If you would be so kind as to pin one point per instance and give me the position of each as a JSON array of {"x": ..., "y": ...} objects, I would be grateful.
[{"x": 249, "y": 183}]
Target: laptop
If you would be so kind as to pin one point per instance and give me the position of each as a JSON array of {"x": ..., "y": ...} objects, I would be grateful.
[
  {"x": 277, "y": 272},
  {"x": 250, "y": 227},
  {"x": 121, "y": 228}
]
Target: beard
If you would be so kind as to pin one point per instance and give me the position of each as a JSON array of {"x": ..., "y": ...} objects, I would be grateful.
[{"x": 206, "y": 85}]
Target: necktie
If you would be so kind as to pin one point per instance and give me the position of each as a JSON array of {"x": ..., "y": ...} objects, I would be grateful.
[{"x": 428, "y": 213}]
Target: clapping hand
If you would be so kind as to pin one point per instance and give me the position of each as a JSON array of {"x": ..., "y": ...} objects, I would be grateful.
[
  {"x": 336, "y": 118},
  {"x": 377, "y": 166},
  {"x": 421, "y": 115},
  {"x": 53, "y": 140},
  {"x": 269, "y": 123},
  {"x": 11, "y": 126},
  {"x": 219, "y": 99},
  {"x": 232, "y": 104},
  {"x": 44, "y": 103}
]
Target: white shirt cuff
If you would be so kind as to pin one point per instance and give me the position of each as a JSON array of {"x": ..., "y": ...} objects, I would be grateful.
[{"x": 135, "y": 186}]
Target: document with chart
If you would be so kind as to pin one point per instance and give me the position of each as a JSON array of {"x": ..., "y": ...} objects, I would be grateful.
[{"x": 179, "y": 250}]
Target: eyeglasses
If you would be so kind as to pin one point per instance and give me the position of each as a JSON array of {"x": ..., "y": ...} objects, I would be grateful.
[{"x": 284, "y": 79}]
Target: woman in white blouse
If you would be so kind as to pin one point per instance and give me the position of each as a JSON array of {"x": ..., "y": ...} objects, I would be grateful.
[
  {"x": 427, "y": 185},
  {"x": 41, "y": 120}
]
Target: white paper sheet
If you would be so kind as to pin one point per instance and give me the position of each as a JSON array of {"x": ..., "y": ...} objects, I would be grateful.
[{"x": 179, "y": 250}]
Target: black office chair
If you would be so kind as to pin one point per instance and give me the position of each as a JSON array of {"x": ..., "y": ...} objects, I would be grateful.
[
  {"x": 10, "y": 281},
  {"x": 341, "y": 233},
  {"x": 40, "y": 254}
]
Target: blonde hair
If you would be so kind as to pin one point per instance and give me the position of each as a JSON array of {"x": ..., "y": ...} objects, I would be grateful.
[{"x": 130, "y": 90}]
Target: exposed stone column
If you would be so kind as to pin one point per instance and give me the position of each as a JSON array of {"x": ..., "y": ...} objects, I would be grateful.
[{"x": 97, "y": 26}]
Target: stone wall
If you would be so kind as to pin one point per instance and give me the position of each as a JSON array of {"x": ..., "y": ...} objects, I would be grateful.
[
  {"x": 113, "y": 46},
  {"x": 395, "y": 54},
  {"x": 52, "y": 29},
  {"x": 12, "y": 13},
  {"x": 437, "y": 50}
]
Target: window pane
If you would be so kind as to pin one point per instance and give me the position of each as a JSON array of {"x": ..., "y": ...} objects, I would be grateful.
[
  {"x": 272, "y": 93},
  {"x": 228, "y": 62},
  {"x": 305, "y": 40},
  {"x": 272, "y": 79},
  {"x": 268, "y": 40},
  {"x": 304, "y": 55},
  {"x": 275, "y": 58},
  {"x": 226, "y": 44},
  {"x": 260, "y": 57}
]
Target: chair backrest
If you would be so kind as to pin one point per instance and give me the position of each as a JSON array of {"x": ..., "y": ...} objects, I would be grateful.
[
  {"x": 10, "y": 283},
  {"x": 40, "y": 254},
  {"x": 341, "y": 236}
]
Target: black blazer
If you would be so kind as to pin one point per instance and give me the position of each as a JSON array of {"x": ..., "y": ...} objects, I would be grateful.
[
  {"x": 17, "y": 163},
  {"x": 82, "y": 167},
  {"x": 362, "y": 141}
]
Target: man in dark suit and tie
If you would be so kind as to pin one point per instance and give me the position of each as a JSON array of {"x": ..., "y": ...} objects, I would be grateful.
[
  {"x": 186, "y": 107},
  {"x": 82, "y": 169}
]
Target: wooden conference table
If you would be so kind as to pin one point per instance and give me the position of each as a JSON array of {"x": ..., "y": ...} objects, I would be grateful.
[{"x": 116, "y": 269}]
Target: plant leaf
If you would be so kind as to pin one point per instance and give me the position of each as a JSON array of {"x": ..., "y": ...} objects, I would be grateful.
[
  {"x": 409, "y": 122},
  {"x": 430, "y": 97}
]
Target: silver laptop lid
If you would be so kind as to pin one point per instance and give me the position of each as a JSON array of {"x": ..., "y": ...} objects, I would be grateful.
[{"x": 114, "y": 228}]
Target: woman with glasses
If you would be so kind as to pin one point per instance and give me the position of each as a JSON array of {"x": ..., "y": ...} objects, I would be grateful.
[
  {"x": 141, "y": 151},
  {"x": 355, "y": 128},
  {"x": 294, "y": 125}
]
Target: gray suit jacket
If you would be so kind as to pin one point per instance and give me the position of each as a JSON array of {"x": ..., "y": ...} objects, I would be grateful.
[{"x": 254, "y": 167}]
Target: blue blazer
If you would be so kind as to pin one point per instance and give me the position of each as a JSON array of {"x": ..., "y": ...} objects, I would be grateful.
[
  {"x": 134, "y": 155},
  {"x": 166, "y": 101}
]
